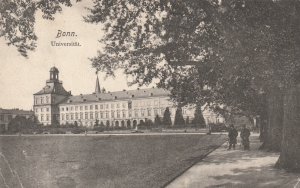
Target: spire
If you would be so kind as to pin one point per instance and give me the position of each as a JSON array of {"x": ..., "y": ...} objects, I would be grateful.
[{"x": 97, "y": 88}]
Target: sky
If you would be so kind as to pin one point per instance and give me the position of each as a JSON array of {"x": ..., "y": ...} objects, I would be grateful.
[{"x": 21, "y": 77}]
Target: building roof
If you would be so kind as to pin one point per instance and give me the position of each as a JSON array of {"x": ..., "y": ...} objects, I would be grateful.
[
  {"x": 117, "y": 95},
  {"x": 54, "y": 88},
  {"x": 15, "y": 111},
  {"x": 97, "y": 88},
  {"x": 54, "y": 69}
]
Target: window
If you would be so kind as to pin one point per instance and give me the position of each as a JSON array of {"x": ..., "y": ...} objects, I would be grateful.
[
  {"x": 91, "y": 115},
  {"x": 118, "y": 114},
  {"x": 124, "y": 105},
  {"x": 81, "y": 108},
  {"x": 107, "y": 106},
  {"x": 136, "y": 113},
  {"x": 2, "y": 117},
  {"x": 81, "y": 115},
  {"x": 36, "y": 110},
  {"x": 101, "y": 115},
  {"x": 118, "y": 105},
  {"x": 67, "y": 109},
  {"x": 155, "y": 103},
  {"x": 96, "y": 107},
  {"x": 143, "y": 112},
  {"x": 72, "y": 116},
  {"x": 47, "y": 109},
  {"x": 149, "y": 112},
  {"x": 76, "y": 108},
  {"x": 36, "y": 101},
  {"x": 86, "y": 115},
  {"x": 62, "y": 109},
  {"x": 155, "y": 112},
  {"x": 112, "y": 106},
  {"x": 42, "y": 117},
  {"x": 129, "y": 113},
  {"x": 42, "y": 100},
  {"x": 106, "y": 114},
  {"x": 91, "y": 107},
  {"x": 42, "y": 109},
  {"x": 86, "y": 107},
  {"x": 96, "y": 115},
  {"x": 47, "y": 99},
  {"x": 124, "y": 113},
  {"x": 67, "y": 116},
  {"x": 47, "y": 117},
  {"x": 72, "y": 108},
  {"x": 101, "y": 106},
  {"x": 62, "y": 116},
  {"x": 76, "y": 115},
  {"x": 112, "y": 114}
]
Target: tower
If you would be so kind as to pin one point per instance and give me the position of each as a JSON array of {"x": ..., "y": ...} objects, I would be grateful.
[
  {"x": 46, "y": 100},
  {"x": 97, "y": 88}
]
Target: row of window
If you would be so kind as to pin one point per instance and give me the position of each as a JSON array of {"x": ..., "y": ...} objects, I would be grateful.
[
  {"x": 46, "y": 109},
  {"x": 43, "y": 117},
  {"x": 43, "y": 100},
  {"x": 111, "y": 114},
  {"x": 104, "y": 106},
  {"x": 8, "y": 117}
]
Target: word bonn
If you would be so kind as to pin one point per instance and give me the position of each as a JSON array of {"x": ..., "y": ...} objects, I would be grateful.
[{"x": 61, "y": 33}]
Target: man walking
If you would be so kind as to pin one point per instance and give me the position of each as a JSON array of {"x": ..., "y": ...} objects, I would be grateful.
[
  {"x": 232, "y": 135},
  {"x": 245, "y": 133}
]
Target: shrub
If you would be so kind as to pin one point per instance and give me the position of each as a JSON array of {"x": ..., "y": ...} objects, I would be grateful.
[{"x": 77, "y": 130}]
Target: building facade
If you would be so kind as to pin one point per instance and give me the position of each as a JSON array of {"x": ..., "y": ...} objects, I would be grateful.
[
  {"x": 121, "y": 108},
  {"x": 47, "y": 100},
  {"x": 6, "y": 115}
]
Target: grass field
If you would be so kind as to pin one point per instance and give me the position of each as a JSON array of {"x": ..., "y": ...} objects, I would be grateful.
[{"x": 99, "y": 161}]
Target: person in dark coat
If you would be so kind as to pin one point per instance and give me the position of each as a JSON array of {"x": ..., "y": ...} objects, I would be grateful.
[
  {"x": 245, "y": 133},
  {"x": 232, "y": 135}
]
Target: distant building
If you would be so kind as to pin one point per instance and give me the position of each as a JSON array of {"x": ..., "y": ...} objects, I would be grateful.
[
  {"x": 6, "y": 115},
  {"x": 53, "y": 104}
]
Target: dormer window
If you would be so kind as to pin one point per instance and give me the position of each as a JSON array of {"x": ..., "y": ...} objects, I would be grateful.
[
  {"x": 132, "y": 96},
  {"x": 151, "y": 94},
  {"x": 116, "y": 97}
]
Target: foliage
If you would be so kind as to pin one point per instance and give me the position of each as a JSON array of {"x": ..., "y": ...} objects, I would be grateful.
[
  {"x": 208, "y": 52},
  {"x": 20, "y": 123},
  {"x": 167, "y": 118},
  {"x": 179, "y": 120},
  {"x": 17, "y": 20},
  {"x": 198, "y": 120},
  {"x": 157, "y": 120}
]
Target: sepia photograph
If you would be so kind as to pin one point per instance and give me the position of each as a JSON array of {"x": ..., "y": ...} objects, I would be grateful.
[{"x": 149, "y": 93}]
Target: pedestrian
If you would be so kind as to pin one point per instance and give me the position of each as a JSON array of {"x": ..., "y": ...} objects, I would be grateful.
[
  {"x": 232, "y": 135},
  {"x": 245, "y": 133}
]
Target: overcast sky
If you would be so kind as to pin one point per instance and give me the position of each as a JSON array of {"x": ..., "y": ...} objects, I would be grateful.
[{"x": 21, "y": 77}]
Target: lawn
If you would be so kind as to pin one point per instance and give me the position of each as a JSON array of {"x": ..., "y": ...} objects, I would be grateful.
[{"x": 100, "y": 161}]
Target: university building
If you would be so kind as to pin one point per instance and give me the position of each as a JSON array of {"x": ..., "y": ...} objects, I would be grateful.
[{"x": 54, "y": 105}]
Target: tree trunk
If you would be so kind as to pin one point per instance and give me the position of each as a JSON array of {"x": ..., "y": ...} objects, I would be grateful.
[
  {"x": 290, "y": 153},
  {"x": 272, "y": 130}
]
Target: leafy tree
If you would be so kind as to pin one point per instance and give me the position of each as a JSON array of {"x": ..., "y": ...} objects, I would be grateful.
[
  {"x": 230, "y": 53},
  {"x": 167, "y": 118},
  {"x": 187, "y": 120},
  {"x": 157, "y": 120},
  {"x": 198, "y": 120},
  {"x": 19, "y": 123},
  {"x": 17, "y": 20},
  {"x": 179, "y": 120},
  {"x": 96, "y": 123}
]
